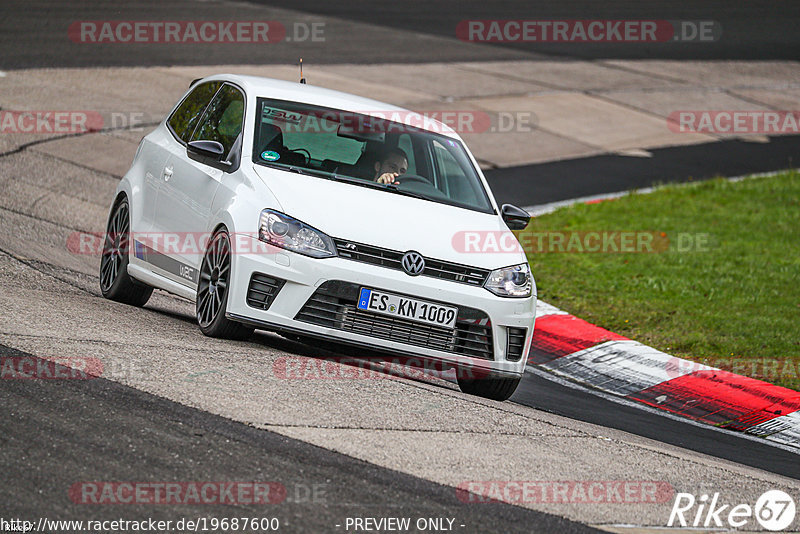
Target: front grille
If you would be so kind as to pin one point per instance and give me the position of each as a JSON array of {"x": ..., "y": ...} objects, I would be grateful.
[
  {"x": 516, "y": 343},
  {"x": 333, "y": 305},
  {"x": 391, "y": 259},
  {"x": 262, "y": 290}
]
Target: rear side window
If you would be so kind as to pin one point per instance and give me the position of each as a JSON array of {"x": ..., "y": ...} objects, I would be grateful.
[
  {"x": 222, "y": 120},
  {"x": 184, "y": 119}
]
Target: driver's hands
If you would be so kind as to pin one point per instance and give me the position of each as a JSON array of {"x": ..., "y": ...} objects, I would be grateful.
[{"x": 388, "y": 178}]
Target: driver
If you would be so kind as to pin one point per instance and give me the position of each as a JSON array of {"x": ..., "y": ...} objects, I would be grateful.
[{"x": 392, "y": 163}]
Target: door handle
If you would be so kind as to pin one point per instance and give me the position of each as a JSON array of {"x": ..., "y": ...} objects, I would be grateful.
[{"x": 167, "y": 173}]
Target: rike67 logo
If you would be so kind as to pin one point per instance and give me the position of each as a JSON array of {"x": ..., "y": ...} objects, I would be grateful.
[{"x": 774, "y": 511}]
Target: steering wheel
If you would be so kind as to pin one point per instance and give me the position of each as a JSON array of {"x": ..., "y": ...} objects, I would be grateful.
[{"x": 409, "y": 178}]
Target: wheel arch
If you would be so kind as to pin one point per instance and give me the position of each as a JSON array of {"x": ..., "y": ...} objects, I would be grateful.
[
  {"x": 125, "y": 191},
  {"x": 118, "y": 198},
  {"x": 219, "y": 226}
]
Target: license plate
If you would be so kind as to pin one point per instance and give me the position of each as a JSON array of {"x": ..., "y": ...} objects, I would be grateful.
[{"x": 413, "y": 309}]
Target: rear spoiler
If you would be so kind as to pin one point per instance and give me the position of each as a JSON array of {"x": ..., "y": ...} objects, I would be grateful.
[{"x": 194, "y": 81}]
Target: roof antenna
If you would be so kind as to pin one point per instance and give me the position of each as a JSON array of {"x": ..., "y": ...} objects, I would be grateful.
[{"x": 302, "y": 80}]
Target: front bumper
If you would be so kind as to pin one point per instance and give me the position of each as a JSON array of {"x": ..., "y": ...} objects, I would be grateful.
[{"x": 484, "y": 318}]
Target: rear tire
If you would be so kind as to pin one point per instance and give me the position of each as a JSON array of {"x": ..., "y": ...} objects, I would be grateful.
[
  {"x": 115, "y": 282},
  {"x": 212, "y": 292},
  {"x": 498, "y": 389}
]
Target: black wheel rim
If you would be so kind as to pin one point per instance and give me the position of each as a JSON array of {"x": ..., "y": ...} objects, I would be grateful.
[
  {"x": 115, "y": 246},
  {"x": 214, "y": 275}
]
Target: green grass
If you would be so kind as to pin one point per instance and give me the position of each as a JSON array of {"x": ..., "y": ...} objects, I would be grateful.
[{"x": 734, "y": 305}]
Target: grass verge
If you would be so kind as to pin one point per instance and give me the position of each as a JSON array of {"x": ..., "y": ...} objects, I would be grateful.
[{"x": 721, "y": 286}]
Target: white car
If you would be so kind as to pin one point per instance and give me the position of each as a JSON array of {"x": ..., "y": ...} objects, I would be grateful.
[{"x": 261, "y": 200}]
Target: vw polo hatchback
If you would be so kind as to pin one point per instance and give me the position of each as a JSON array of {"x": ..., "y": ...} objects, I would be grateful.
[{"x": 319, "y": 214}]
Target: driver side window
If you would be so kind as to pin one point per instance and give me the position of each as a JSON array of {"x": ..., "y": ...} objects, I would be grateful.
[
  {"x": 183, "y": 120},
  {"x": 222, "y": 121}
]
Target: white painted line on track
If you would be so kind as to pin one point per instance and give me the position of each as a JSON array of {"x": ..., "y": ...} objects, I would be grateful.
[
  {"x": 622, "y": 367},
  {"x": 543, "y": 309},
  {"x": 784, "y": 429}
]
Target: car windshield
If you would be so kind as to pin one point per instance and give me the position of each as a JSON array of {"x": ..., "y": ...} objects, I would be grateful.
[{"x": 367, "y": 150}]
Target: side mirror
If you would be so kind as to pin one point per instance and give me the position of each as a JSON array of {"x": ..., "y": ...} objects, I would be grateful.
[
  {"x": 207, "y": 152},
  {"x": 516, "y": 218}
]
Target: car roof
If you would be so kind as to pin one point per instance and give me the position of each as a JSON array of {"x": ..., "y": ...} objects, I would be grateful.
[{"x": 309, "y": 94}]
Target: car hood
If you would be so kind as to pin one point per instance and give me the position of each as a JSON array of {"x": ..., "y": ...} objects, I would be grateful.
[{"x": 395, "y": 222}]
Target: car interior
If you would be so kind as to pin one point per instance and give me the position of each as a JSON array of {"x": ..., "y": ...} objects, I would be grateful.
[{"x": 432, "y": 169}]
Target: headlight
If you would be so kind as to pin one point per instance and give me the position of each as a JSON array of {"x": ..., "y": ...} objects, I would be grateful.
[
  {"x": 283, "y": 231},
  {"x": 510, "y": 281}
]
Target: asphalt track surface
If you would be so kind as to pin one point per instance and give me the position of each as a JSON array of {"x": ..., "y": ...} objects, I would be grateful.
[
  {"x": 531, "y": 185},
  {"x": 763, "y": 30},
  {"x": 56, "y": 432},
  {"x": 32, "y": 32},
  {"x": 584, "y": 405}
]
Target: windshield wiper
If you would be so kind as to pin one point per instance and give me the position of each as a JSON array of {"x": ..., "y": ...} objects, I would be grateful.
[
  {"x": 310, "y": 172},
  {"x": 296, "y": 169},
  {"x": 382, "y": 187},
  {"x": 355, "y": 181},
  {"x": 394, "y": 189}
]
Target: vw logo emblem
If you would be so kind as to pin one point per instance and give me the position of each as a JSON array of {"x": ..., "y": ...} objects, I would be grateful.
[{"x": 413, "y": 263}]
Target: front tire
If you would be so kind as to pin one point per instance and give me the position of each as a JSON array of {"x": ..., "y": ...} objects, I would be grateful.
[
  {"x": 498, "y": 389},
  {"x": 115, "y": 283},
  {"x": 212, "y": 292}
]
